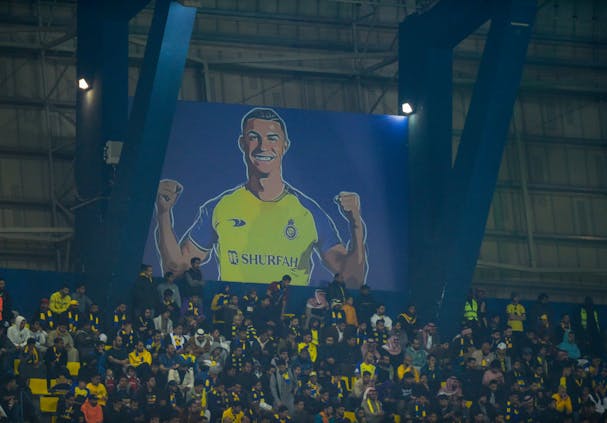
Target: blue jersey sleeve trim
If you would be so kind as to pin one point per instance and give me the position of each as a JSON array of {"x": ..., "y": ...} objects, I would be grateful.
[{"x": 328, "y": 236}]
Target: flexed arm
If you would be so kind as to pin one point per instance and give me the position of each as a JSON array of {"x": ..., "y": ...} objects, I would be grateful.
[
  {"x": 174, "y": 257},
  {"x": 350, "y": 261}
]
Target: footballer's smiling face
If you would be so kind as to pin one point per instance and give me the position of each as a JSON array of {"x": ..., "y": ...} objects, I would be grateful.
[{"x": 263, "y": 143}]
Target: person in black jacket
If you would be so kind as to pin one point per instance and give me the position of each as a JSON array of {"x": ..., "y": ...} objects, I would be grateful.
[
  {"x": 193, "y": 281},
  {"x": 144, "y": 292},
  {"x": 365, "y": 304},
  {"x": 337, "y": 289}
]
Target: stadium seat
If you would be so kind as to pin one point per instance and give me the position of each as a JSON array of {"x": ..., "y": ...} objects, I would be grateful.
[
  {"x": 16, "y": 363},
  {"x": 48, "y": 404},
  {"x": 52, "y": 383},
  {"x": 73, "y": 367},
  {"x": 38, "y": 386}
]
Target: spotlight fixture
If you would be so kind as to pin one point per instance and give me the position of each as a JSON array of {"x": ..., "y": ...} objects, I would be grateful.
[
  {"x": 406, "y": 108},
  {"x": 83, "y": 84}
]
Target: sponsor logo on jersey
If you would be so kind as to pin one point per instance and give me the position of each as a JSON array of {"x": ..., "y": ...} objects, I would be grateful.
[{"x": 244, "y": 259}]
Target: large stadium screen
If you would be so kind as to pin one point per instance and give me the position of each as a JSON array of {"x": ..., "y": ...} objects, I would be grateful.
[{"x": 258, "y": 192}]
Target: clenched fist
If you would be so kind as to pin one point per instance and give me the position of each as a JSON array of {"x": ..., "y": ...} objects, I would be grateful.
[
  {"x": 349, "y": 205},
  {"x": 168, "y": 193}
]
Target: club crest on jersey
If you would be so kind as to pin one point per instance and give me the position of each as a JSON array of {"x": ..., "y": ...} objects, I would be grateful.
[{"x": 290, "y": 230}]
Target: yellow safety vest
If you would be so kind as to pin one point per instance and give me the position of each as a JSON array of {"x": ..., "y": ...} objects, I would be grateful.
[
  {"x": 471, "y": 310},
  {"x": 584, "y": 318}
]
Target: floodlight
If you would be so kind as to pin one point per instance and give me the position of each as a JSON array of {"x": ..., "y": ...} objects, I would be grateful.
[
  {"x": 83, "y": 84},
  {"x": 407, "y": 108}
]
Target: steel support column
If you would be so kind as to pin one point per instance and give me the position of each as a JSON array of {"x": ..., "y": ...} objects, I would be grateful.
[
  {"x": 101, "y": 115},
  {"x": 132, "y": 200},
  {"x": 450, "y": 204},
  {"x": 113, "y": 221}
]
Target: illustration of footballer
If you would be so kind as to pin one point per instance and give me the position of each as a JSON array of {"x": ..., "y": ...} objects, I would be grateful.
[{"x": 264, "y": 227}]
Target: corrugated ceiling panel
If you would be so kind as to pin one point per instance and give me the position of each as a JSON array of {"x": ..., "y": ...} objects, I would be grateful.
[
  {"x": 599, "y": 215},
  {"x": 489, "y": 251},
  {"x": 563, "y": 214},
  {"x": 543, "y": 217},
  {"x": 576, "y": 159},
  {"x": 547, "y": 255}
]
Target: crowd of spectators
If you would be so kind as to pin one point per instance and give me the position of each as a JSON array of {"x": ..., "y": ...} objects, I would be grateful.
[{"x": 344, "y": 358}]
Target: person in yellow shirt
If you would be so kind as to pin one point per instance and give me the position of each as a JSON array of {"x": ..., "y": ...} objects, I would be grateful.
[
  {"x": 59, "y": 301},
  {"x": 407, "y": 367},
  {"x": 368, "y": 365},
  {"x": 97, "y": 388},
  {"x": 140, "y": 356},
  {"x": 350, "y": 312},
  {"x": 307, "y": 343},
  {"x": 563, "y": 401},
  {"x": 234, "y": 414},
  {"x": 516, "y": 314}
]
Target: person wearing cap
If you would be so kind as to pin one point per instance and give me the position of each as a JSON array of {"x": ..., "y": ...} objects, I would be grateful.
[
  {"x": 60, "y": 300},
  {"x": 45, "y": 315},
  {"x": 91, "y": 410}
]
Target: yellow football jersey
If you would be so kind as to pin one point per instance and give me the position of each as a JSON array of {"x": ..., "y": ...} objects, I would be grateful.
[{"x": 257, "y": 241}]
